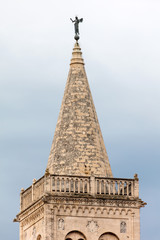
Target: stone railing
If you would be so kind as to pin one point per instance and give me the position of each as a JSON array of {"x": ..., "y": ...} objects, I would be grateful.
[
  {"x": 114, "y": 186},
  {"x": 80, "y": 185},
  {"x": 70, "y": 184}
]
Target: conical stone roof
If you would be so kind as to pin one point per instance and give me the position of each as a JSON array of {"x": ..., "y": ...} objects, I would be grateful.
[{"x": 78, "y": 147}]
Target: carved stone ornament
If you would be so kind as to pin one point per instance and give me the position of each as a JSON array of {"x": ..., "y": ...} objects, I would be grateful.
[
  {"x": 123, "y": 227},
  {"x": 92, "y": 226},
  {"x": 61, "y": 224},
  {"x": 34, "y": 232}
]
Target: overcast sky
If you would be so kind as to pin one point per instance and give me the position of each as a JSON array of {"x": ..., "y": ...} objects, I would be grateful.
[{"x": 120, "y": 40}]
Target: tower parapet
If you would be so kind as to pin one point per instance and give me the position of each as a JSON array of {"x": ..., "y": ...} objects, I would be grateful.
[{"x": 66, "y": 185}]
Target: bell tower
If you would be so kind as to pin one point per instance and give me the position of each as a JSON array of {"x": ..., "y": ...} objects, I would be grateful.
[{"x": 78, "y": 198}]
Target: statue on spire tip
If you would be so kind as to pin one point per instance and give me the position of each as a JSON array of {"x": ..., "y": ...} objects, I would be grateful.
[{"x": 76, "y": 27}]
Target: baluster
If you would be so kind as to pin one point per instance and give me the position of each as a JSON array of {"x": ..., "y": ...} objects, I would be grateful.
[
  {"x": 104, "y": 186},
  {"x": 113, "y": 183},
  {"x": 84, "y": 181},
  {"x": 109, "y": 187},
  {"x": 79, "y": 185},
  {"x": 69, "y": 185},
  {"x": 127, "y": 188},
  {"x": 96, "y": 186},
  {"x": 99, "y": 189},
  {"x": 123, "y": 188},
  {"x": 55, "y": 181},
  {"x": 74, "y": 185},
  {"x": 97, "y": 183},
  {"x": 118, "y": 187},
  {"x": 71, "y": 180},
  {"x": 60, "y": 184},
  {"x": 100, "y": 186},
  {"x": 87, "y": 185},
  {"x": 63, "y": 184},
  {"x": 83, "y": 185},
  {"x": 132, "y": 187},
  {"x": 52, "y": 184}
]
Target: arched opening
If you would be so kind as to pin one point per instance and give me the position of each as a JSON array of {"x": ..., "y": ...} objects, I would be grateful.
[
  {"x": 39, "y": 237},
  {"x": 108, "y": 236},
  {"x": 75, "y": 235}
]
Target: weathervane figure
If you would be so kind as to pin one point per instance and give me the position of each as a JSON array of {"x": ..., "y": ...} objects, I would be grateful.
[{"x": 76, "y": 26}]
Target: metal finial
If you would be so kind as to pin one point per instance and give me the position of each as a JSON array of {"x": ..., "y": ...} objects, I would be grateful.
[{"x": 76, "y": 27}]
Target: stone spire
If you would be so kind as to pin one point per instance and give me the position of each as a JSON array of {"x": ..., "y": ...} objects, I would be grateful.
[{"x": 78, "y": 147}]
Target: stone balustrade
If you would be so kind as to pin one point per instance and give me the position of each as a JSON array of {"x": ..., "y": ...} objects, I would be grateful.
[
  {"x": 79, "y": 185},
  {"x": 115, "y": 186},
  {"x": 70, "y": 184}
]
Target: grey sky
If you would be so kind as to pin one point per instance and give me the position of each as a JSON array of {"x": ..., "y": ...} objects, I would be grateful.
[{"x": 120, "y": 43}]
